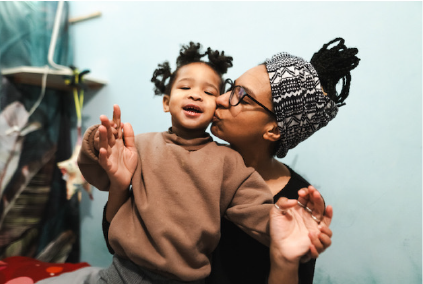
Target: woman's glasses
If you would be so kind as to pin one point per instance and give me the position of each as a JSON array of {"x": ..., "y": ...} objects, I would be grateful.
[{"x": 238, "y": 93}]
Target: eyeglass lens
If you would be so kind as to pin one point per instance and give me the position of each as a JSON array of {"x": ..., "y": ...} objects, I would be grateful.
[{"x": 238, "y": 93}]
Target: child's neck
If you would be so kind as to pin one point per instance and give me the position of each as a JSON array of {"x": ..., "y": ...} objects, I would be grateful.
[{"x": 189, "y": 133}]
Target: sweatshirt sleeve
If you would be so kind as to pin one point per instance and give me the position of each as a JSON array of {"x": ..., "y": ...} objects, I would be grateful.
[
  {"x": 88, "y": 162},
  {"x": 105, "y": 226},
  {"x": 251, "y": 204}
]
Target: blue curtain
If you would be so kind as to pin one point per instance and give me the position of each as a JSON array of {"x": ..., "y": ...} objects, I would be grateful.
[{"x": 37, "y": 220}]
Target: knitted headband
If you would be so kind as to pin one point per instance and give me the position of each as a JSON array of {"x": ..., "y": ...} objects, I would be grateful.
[{"x": 300, "y": 106}]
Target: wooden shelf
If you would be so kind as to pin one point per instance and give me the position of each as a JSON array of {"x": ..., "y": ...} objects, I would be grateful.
[{"x": 55, "y": 78}]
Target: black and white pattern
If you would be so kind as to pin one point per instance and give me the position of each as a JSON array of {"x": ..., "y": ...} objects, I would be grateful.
[{"x": 298, "y": 100}]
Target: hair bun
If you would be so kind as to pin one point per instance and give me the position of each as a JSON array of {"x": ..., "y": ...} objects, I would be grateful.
[{"x": 334, "y": 64}]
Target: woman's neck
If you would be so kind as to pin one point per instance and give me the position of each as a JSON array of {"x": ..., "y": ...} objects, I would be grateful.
[{"x": 274, "y": 173}]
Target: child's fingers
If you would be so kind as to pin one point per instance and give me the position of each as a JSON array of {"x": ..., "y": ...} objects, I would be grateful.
[
  {"x": 102, "y": 157},
  {"x": 128, "y": 132},
  {"x": 109, "y": 126},
  {"x": 116, "y": 117},
  {"x": 103, "y": 139}
]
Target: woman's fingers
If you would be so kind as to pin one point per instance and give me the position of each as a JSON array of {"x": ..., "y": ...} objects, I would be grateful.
[
  {"x": 325, "y": 240},
  {"x": 311, "y": 200},
  {"x": 325, "y": 230},
  {"x": 317, "y": 244},
  {"x": 318, "y": 204},
  {"x": 283, "y": 204},
  {"x": 303, "y": 196},
  {"x": 327, "y": 218}
]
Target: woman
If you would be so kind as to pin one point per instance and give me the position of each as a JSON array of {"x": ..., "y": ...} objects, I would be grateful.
[{"x": 281, "y": 104}]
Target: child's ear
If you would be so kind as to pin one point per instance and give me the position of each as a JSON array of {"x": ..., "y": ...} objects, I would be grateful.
[
  {"x": 166, "y": 99},
  {"x": 272, "y": 132}
]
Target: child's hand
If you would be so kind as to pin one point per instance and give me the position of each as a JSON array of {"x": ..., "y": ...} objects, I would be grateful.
[
  {"x": 115, "y": 125},
  {"x": 118, "y": 158}
]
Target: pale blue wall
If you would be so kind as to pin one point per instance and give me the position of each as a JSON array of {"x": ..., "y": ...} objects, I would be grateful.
[{"x": 367, "y": 162}]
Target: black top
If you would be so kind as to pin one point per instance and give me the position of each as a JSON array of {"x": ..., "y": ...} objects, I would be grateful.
[{"x": 239, "y": 258}]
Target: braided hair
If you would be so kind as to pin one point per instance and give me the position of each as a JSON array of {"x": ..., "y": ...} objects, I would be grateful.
[
  {"x": 163, "y": 78},
  {"x": 334, "y": 64}
]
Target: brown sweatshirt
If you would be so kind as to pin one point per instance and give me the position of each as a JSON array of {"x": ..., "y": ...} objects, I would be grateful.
[{"x": 181, "y": 189}]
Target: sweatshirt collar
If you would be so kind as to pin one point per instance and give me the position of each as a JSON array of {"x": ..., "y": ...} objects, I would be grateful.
[{"x": 187, "y": 144}]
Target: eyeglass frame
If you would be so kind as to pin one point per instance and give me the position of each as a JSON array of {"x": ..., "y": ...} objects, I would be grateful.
[{"x": 232, "y": 88}]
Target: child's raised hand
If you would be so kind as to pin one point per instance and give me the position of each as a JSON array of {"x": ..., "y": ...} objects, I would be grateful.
[
  {"x": 117, "y": 157},
  {"x": 114, "y": 125}
]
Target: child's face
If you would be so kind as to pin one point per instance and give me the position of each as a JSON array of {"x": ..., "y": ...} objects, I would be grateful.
[{"x": 192, "y": 99}]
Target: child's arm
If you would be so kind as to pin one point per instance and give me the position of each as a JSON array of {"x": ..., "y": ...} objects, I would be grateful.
[
  {"x": 118, "y": 158},
  {"x": 250, "y": 206}
]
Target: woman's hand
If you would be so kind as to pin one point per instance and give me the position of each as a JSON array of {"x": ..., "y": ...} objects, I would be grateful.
[
  {"x": 117, "y": 157},
  {"x": 318, "y": 225},
  {"x": 288, "y": 231},
  {"x": 289, "y": 241}
]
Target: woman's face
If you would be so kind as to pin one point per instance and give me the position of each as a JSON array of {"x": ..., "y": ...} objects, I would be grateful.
[{"x": 245, "y": 122}]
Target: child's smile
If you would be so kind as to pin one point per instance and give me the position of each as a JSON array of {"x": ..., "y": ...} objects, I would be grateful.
[{"x": 192, "y": 110}]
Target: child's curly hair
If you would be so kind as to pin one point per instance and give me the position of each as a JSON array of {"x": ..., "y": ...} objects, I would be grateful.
[{"x": 163, "y": 78}]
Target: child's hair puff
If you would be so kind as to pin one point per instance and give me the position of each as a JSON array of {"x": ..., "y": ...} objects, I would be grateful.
[{"x": 163, "y": 77}]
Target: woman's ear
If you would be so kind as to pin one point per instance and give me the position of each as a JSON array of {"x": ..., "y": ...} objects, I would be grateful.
[
  {"x": 166, "y": 99},
  {"x": 272, "y": 132}
]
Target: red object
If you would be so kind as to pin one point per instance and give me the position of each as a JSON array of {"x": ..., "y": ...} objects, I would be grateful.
[{"x": 26, "y": 270}]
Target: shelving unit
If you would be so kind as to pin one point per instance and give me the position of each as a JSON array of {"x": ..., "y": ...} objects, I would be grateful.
[{"x": 55, "y": 78}]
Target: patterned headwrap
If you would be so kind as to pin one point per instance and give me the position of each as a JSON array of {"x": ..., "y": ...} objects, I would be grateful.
[{"x": 299, "y": 103}]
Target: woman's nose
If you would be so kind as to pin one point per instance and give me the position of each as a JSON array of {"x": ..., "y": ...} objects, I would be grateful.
[{"x": 223, "y": 100}]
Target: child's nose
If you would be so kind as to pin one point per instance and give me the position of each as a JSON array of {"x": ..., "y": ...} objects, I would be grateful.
[{"x": 195, "y": 96}]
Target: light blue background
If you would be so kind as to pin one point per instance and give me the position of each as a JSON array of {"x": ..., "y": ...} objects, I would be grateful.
[{"x": 367, "y": 162}]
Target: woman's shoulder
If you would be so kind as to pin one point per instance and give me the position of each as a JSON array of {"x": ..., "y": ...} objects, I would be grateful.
[{"x": 297, "y": 178}]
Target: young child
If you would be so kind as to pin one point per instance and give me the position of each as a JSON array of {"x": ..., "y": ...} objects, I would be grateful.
[{"x": 182, "y": 182}]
